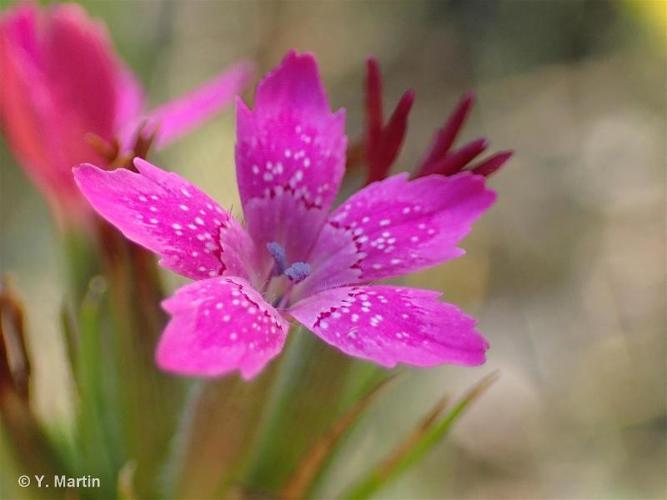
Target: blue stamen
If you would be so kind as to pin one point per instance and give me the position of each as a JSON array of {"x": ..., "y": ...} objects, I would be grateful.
[
  {"x": 278, "y": 254},
  {"x": 298, "y": 272}
]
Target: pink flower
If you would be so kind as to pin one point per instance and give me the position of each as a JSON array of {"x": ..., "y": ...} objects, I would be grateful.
[
  {"x": 383, "y": 141},
  {"x": 296, "y": 259},
  {"x": 62, "y": 83}
]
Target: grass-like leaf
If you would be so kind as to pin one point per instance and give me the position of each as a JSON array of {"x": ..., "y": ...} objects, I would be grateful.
[
  {"x": 307, "y": 471},
  {"x": 431, "y": 430}
]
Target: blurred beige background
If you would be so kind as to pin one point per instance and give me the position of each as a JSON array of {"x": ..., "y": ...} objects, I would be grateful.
[{"x": 567, "y": 272}]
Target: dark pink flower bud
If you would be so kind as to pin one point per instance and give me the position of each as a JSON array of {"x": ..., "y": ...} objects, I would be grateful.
[
  {"x": 383, "y": 141},
  {"x": 62, "y": 84},
  {"x": 445, "y": 137}
]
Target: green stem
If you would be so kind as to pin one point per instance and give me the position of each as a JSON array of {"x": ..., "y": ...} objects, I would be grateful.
[
  {"x": 178, "y": 450},
  {"x": 266, "y": 450},
  {"x": 81, "y": 264}
]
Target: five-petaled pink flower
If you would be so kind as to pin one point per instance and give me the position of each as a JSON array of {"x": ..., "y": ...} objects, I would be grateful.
[
  {"x": 62, "y": 82},
  {"x": 295, "y": 259}
]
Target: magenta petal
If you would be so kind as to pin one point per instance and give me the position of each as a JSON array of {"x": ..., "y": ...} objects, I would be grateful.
[
  {"x": 217, "y": 326},
  {"x": 60, "y": 81},
  {"x": 82, "y": 69},
  {"x": 166, "y": 214},
  {"x": 296, "y": 83},
  {"x": 290, "y": 154},
  {"x": 176, "y": 118},
  {"x": 130, "y": 99},
  {"x": 333, "y": 261},
  {"x": 389, "y": 325},
  {"x": 27, "y": 110},
  {"x": 398, "y": 226}
]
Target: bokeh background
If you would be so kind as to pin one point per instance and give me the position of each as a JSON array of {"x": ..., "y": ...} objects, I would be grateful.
[{"x": 566, "y": 274}]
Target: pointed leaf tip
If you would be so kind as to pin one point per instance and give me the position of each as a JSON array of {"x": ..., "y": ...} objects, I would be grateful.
[{"x": 426, "y": 435}]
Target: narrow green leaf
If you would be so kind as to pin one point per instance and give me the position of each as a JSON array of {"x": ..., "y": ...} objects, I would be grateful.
[
  {"x": 311, "y": 465},
  {"x": 422, "y": 440},
  {"x": 98, "y": 440},
  {"x": 309, "y": 381}
]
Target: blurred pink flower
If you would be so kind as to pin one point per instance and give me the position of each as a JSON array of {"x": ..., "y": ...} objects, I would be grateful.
[
  {"x": 383, "y": 141},
  {"x": 62, "y": 84},
  {"x": 296, "y": 259}
]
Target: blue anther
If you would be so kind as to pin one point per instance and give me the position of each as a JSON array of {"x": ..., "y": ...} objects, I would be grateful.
[
  {"x": 278, "y": 254},
  {"x": 298, "y": 271}
]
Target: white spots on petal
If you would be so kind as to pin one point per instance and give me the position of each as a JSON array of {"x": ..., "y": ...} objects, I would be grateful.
[
  {"x": 143, "y": 198},
  {"x": 185, "y": 192},
  {"x": 153, "y": 220},
  {"x": 176, "y": 225},
  {"x": 385, "y": 222},
  {"x": 199, "y": 221},
  {"x": 183, "y": 207}
]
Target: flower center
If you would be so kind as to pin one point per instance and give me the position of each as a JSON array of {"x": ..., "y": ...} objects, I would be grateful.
[{"x": 283, "y": 276}]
